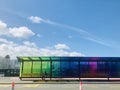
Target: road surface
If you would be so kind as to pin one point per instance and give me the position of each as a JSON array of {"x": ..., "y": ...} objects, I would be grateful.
[{"x": 5, "y": 84}]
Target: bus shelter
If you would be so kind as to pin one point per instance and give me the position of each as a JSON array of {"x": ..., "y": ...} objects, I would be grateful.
[{"x": 50, "y": 68}]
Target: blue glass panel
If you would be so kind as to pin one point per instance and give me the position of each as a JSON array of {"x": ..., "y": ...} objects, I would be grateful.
[
  {"x": 74, "y": 69},
  {"x": 65, "y": 69},
  {"x": 114, "y": 69},
  {"x": 85, "y": 58},
  {"x": 103, "y": 69},
  {"x": 114, "y": 58},
  {"x": 95, "y": 58},
  {"x": 75, "y": 58},
  {"x": 65, "y": 58},
  {"x": 84, "y": 69},
  {"x": 105, "y": 58},
  {"x": 118, "y": 68}
]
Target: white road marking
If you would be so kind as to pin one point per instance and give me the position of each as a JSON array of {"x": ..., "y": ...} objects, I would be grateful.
[
  {"x": 5, "y": 85},
  {"x": 31, "y": 85}
]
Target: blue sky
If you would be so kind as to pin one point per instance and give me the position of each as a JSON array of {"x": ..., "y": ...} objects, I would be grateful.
[{"x": 60, "y": 27}]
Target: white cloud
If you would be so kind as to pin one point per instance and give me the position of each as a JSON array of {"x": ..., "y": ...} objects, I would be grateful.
[
  {"x": 30, "y": 49},
  {"x": 2, "y": 25},
  {"x": 61, "y": 46},
  {"x": 21, "y": 32},
  {"x": 35, "y": 19},
  {"x": 76, "y": 54},
  {"x": 3, "y": 40},
  {"x": 27, "y": 43},
  {"x": 3, "y": 28}
]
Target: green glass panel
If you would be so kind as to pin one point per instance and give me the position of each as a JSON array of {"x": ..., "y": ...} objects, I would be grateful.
[
  {"x": 45, "y": 65},
  {"x": 45, "y": 58},
  {"x": 24, "y": 58},
  {"x": 55, "y": 58},
  {"x": 27, "y": 67},
  {"x": 46, "y": 69},
  {"x": 21, "y": 69},
  {"x": 36, "y": 67},
  {"x": 56, "y": 69},
  {"x": 35, "y": 58}
]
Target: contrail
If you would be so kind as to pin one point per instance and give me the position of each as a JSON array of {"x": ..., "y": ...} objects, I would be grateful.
[{"x": 84, "y": 34}]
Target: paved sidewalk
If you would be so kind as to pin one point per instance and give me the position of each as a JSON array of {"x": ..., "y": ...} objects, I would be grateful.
[
  {"x": 6, "y": 84},
  {"x": 9, "y": 80}
]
